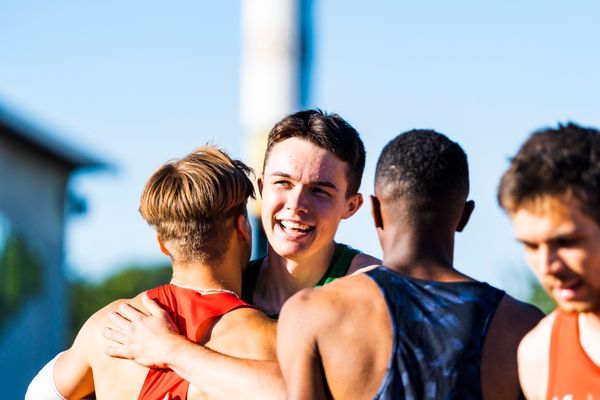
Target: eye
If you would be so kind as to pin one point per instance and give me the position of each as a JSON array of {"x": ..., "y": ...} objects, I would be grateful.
[
  {"x": 283, "y": 184},
  {"x": 321, "y": 192},
  {"x": 529, "y": 246},
  {"x": 567, "y": 242}
]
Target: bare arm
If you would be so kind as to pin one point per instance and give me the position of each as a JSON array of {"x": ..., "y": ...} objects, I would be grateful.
[
  {"x": 297, "y": 349},
  {"x": 69, "y": 375},
  {"x": 151, "y": 340}
]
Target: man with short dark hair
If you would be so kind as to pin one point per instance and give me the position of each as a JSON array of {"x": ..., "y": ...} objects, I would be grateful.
[
  {"x": 552, "y": 194},
  {"x": 415, "y": 328}
]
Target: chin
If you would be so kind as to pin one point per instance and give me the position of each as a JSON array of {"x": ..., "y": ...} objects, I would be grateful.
[
  {"x": 288, "y": 250},
  {"x": 581, "y": 306}
]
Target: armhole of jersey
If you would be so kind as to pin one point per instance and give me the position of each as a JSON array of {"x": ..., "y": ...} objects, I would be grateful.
[
  {"x": 340, "y": 263},
  {"x": 249, "y": 279}
]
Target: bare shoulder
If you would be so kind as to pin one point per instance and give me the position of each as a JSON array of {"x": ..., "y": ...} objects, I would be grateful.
[
  {"x": 362, "y": 262},
  {"x": 90, "y": 331},
  {"x": 519, "y": 316},
  {"x": 257, "y": 339},
  {"x": 533, "y": 359},
  {"x": 326, "y": 306},
  {"x": 536, "y": 342},
  {"x": 511, "y": 321}
]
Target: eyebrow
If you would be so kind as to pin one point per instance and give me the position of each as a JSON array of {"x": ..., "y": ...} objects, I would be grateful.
[
  {"x": 328, "y": 184},
  {"x": 559, "y": 236}
]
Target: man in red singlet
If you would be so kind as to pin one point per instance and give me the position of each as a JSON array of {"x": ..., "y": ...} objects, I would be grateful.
[
  {"x": 552, "y": 193},
  {"x": 198, "y": 207}
]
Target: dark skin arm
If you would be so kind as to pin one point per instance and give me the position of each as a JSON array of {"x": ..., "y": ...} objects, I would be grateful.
[{"x": 297, "y": 349}]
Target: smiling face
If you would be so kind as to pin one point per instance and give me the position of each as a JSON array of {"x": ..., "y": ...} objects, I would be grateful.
[
  {"x": 304, "y": 198},
  {"x": 562, "y": 244}
]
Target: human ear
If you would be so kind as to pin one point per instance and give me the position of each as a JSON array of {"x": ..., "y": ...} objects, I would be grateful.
[
  {"x": 243, "y": 228},
  {"x": 161, "y": 244},
  {"x": 354, "y": 203},
  {"x": 376, "y": 212},
  {"x": 259, "y": 183},
  {"x": 466, "y": 215}
]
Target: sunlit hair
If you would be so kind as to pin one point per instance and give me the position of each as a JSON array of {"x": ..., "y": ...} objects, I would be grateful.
[
  {"x": 559, "y": 163},
  {"x": 425, "y": 167},
  {"x": 327, "y": 131},
  {"x": 188, "y": 201}
]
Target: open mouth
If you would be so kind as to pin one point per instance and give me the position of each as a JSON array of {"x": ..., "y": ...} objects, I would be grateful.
[
  {"x": 294, "y": 227},
  {"x": 567, "y": 291}
]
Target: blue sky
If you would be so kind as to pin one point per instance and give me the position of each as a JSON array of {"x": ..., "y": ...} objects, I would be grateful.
[{"x": 140, "y": 82}]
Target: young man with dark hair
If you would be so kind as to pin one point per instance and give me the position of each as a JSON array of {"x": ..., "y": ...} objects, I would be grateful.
[
  {"x": 312, "y": 173},
  {"x": 197, "y": 206},
  {"x": 415, "y": 328},
  {"x": 552, "y": 194}
]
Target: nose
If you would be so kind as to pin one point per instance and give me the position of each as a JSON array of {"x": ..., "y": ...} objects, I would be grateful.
[
  {"x": 549, "y": 261},
  {"x": 297, "y": 200}
]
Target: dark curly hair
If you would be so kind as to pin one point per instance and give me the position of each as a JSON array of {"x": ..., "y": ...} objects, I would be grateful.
[
  {"x": 424, "y": 165},
  {"x": 562, "y": 162}
]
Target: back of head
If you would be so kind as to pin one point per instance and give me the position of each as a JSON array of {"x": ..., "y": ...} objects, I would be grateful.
[
  {"x": 188, "y": 200},
  {"x": 424, "y": 169},
  {"x": 559, "y": 163},
  {"x": 327, "y": 131}
]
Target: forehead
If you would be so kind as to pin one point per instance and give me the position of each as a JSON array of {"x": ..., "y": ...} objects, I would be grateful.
[
  {"x": 550, "y": 217},
  {"x": 301, "y": 158}
]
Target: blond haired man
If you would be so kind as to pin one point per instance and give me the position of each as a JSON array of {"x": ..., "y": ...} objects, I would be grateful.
[{"x": 198, "y": 207}]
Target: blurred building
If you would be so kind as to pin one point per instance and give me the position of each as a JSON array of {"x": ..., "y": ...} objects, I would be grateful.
[{"x": 34, "y": 202}]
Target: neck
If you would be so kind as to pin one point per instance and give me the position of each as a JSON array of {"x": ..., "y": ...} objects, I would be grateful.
[
  {"x": 297, "y": 273},
  {"x": 592, "y": 320},
  {"x": 208, "y": 276},
  {"x": 282, "y": 277},
  {"x": 423, "y": 255}
]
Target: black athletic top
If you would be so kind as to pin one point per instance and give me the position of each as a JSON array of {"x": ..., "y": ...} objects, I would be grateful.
[
  {"x": 438, "y": 334},
  {"x": 338, "y": 267}
]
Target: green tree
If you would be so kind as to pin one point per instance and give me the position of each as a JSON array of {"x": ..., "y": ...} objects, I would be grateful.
[
  {"x": 87, "y": 297},
  {"x": 20, "y": 275},
  {"x": 539, "y": 297}
]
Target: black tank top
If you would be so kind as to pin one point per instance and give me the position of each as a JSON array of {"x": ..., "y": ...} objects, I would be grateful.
[{"x": 438, "y": 334}]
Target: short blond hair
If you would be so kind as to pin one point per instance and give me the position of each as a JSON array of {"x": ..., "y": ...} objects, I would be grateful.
[{"x": 188, "y": 201}]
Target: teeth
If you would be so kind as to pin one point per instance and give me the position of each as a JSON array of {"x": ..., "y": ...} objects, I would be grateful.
[{"x": 294, "y": 225}]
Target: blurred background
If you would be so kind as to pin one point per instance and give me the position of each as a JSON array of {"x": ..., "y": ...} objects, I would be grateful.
[{"x": 95, "y": 95}]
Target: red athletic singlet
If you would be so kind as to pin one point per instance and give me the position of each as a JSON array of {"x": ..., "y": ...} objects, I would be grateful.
[
  {"x": 191, "y": 311},
  {"x": 572, "y": 374}
]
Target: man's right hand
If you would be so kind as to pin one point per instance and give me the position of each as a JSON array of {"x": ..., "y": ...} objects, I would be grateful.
[{"x": 143, "y": 338}]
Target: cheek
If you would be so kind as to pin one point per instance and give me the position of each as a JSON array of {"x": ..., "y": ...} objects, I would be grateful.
[
  {"x": 533, "y": 261},
  {"x": 270, "y": 199},
  {"x": 579, "y": 260}
]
